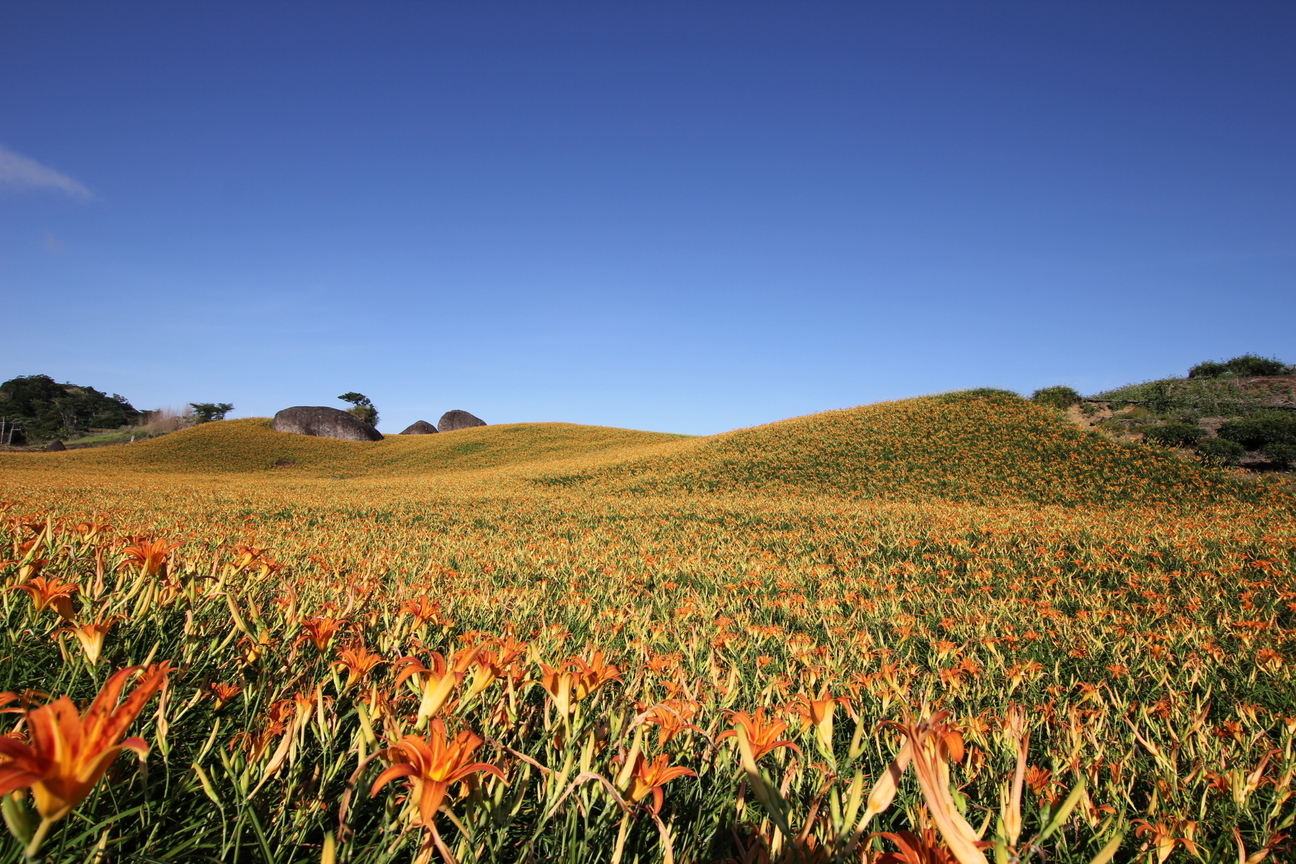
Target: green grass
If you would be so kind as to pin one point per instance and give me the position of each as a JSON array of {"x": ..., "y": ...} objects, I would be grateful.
[{"x": 1190, "y": 397}]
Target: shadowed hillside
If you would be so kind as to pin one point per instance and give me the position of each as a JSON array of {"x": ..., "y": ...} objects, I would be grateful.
[{"x": 976, "y": 446}]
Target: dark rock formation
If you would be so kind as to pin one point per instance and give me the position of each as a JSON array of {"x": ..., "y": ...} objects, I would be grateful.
[
  {"x": 55, "y": 446},
  {"x": 452, "y": 421},
  {"x": 324, "y": 422},
  {"x": 422, "y": 427}
]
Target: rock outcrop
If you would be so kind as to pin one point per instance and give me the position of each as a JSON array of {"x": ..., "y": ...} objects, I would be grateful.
[
  {"x": 452, "y": 421},
  {"x": 422, "y": 427},
  {"x": 55, "y": 446},
  {"x": 323, "y": 422}
]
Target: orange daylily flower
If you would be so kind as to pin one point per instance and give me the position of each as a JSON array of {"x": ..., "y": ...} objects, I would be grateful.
[
  {"x": 52, "y": 592},
  {"x": 650, "y": 777},
  {"x": 817, "y": 713},
  {"x": 590, "y": 676},
  {"x": 319, "y": 631},
  {"x": 246, "y": 555},
  {"x": 420, "y": 609},
  {"x": 90, "y": 530},
  {"x": 411, "y": 666},
  {"x": 762, "y": 732},
  {"x": 494, "y": 660},
  {"x": 1038, "y": 779},
  {"x": 432, "y": 765},
  {"x": 575, "y": 679},
  {"x": 557, "y": 684},
  {"x": 359, "y": 661},
  {"x": 438, "y": 682},
  {"x": 915, "y": 849},
  {"x": 1166, "y": 835},
  {"x": 150, "y": 557},
  {"x": 933, "y": 744},
  {"x": 671, "y": 716},
  {"x": 68, "y": 754},
  {"x": 91, "y": 636},
  {"x": 224, "y": 693}
]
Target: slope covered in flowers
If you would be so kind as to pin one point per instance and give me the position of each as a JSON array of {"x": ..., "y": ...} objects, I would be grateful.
[
  {"x": 662, "y": 670},
  {"x": 250, "y": 445},
  {"x": 977, "y": 446}
]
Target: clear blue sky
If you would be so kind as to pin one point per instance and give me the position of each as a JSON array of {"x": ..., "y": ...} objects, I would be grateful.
[{"x": 685, "y": 217}]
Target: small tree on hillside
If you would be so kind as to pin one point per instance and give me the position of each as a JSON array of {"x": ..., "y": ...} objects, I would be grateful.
[
  {"x": 361, "y": 408},
  {"x": 206, "y": 412}
]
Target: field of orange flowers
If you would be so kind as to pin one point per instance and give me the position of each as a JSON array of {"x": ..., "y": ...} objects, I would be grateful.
[{"x": 1006, "y": 640}]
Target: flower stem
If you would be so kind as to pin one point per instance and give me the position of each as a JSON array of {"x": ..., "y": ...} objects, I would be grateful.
[{"x": 37, "y": 839}]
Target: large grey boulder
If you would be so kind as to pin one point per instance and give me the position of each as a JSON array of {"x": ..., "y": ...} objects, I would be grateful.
[
  {"x": 323, "y": 422},
  {"x": 452, "y": 421},
  {"x": 55, "y": 446},
  {"x": 421, "y": 427}
]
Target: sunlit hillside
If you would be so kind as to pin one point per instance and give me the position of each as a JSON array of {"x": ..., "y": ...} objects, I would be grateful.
[
  {"x": 975, "y": 446},
  {"x": 250, "y": 445},
  {"x": 665, "y": 648}
]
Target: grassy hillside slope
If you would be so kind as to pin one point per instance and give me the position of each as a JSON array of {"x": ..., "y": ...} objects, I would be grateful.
[
  {"x": 976, "y": 446},
  {"x": 250, "y": 445}
]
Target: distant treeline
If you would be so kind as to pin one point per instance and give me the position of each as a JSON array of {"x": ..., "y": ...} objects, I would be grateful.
[{"x": 36, "y": 408}]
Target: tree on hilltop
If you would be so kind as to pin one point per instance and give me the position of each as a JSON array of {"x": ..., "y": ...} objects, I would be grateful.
[
  {"x": 361, "y": 408},
  {"x": 206, "y": 412}
]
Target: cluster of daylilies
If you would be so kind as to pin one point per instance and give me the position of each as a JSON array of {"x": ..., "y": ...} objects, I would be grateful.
[{"x": 558, "y": 676}]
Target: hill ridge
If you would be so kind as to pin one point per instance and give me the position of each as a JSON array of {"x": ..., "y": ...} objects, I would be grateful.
[{"x": 976, "y": 446}]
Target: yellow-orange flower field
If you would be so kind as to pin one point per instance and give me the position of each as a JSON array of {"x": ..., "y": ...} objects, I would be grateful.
[{"x": 949, "y": 629}]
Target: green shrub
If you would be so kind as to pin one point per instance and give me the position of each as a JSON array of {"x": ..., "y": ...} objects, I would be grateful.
[
  {"x": 362, "y": 408},
  {"x": 1174, "y": 434},
  {"x": 1246, "y": 366},
  {"x": 207, "y": 412},
  {"x": 1220, "y": 451},
  {"x": 1261, "y": 430},
  {"x": 1056, "y": 397},
  {"x": 1203, "y": 397},
  {"x": 1281, "y": 454},
  {"x": 1209, "y": 369}
]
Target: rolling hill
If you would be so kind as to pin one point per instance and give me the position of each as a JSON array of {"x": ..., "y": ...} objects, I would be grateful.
[
  {"x": 977, "y": 446},
  {"x": 250, "y": 445},
  {"x": 980, "y": 446}
]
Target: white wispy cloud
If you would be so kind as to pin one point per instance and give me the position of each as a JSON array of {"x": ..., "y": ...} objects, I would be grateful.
[{"x": 20, "y": 172}]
